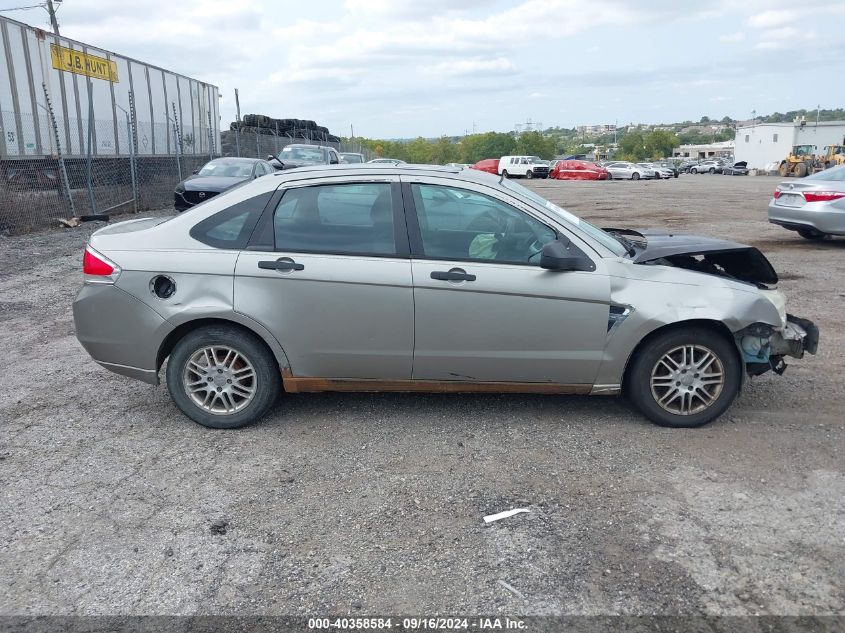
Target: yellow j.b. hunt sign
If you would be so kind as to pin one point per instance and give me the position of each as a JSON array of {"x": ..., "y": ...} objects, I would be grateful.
[{"x": 82, "y": 63}]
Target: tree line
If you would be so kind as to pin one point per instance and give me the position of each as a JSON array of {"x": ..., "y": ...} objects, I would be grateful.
[{"x": 475, "y": 147}]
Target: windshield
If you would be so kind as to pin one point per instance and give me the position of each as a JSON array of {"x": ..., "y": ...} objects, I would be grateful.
[
  {"x": 606, "y": 240},
  {"x": 803, "y": 149},
  {"x": 231, "y": 168},
  {"x": 352, "y": 158},
  {"x": 302, "y": 154},
  {"x": 536, "y": 160}
]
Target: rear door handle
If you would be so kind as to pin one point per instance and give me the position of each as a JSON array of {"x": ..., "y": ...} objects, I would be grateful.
[
  {"x": 456, "y": 274},
  {"x": 282, "y": 264}
]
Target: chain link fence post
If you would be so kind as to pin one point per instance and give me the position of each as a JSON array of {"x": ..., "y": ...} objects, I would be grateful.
[{"x": 61, "y": 158}]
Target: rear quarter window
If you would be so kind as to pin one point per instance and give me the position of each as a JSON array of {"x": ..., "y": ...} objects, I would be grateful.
[{"x": 231, "y": 228}]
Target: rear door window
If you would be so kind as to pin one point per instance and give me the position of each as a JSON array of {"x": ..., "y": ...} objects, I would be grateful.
[
  {"x": 344, "y": 219},
  {"x": 232, "y": 227}
]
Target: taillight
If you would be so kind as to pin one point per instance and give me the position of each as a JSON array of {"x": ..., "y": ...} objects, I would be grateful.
[
  {"x": 776, "y": 194},
  {"x": 823, "y": 196},
  {"x": 98, "y": 268}
]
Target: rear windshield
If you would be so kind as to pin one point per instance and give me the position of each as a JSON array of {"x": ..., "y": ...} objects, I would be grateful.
[{"x": 837, "y": 174}]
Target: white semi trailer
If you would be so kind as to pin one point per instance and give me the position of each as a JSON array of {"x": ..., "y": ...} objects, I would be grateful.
[{"x": 32, "y": 59}]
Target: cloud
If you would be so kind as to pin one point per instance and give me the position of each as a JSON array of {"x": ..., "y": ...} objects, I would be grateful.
[
  {"x": 769, "y": 19},
  {"x": 473, "y": 67},
  {"x": 732, "y": 37}
]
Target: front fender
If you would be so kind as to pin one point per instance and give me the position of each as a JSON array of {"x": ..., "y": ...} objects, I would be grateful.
[{"x": 670, "y": 296}]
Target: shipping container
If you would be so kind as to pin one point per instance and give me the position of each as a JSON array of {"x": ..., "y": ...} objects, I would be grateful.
[{"x": 34, "y": 62}]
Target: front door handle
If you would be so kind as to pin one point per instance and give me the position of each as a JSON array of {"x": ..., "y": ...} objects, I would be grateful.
[
  {"x": 456, "y": 274},
  {"x": 282, "y": 264}
]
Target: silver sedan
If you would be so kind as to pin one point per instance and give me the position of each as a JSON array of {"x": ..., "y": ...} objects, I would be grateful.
[
  {"x": 814, "y": 206},
  {"x": 623, "y": 170},
  {"x": 415, "y": 278}
]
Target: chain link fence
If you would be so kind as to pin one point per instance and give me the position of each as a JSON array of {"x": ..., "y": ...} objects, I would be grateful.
[
  {"x": 266, "y": 142},
  {"x": 113, "y": 169},
  {"x": 45, "y": 176}
]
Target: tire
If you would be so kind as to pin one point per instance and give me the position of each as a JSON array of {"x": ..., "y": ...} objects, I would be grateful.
[
  {"x": 712, "y": 170},
  {"x": 812, "y": 234},
  {"x": 693, "y": 171},
  {"x": 504, "y": 173},
  {"x": 783, "y": 170},
  {"x": 801, "y": 170},
  {"x": 609, "y": 176},
  {"x": 635, "y": 175},
  {"x": 529, "y": 174},
  {"x": 650, "y": 361},
  {"x": 264, "y": 384}
]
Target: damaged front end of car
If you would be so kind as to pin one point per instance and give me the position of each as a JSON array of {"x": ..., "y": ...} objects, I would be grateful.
[{"x": 763, "y": 346}]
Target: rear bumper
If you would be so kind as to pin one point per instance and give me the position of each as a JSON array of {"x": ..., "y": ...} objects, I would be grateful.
[
  {"x": 823, "y": 217},
  {"x": 120, "y": 332}
]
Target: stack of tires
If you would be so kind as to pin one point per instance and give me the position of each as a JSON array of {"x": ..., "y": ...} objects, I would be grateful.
[{"x": 293, "y": 128}]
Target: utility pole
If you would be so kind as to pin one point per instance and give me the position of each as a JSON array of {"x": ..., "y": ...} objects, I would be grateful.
[
  {"x": 52, "y": 11},
  {"x": 818, "y": 109}
]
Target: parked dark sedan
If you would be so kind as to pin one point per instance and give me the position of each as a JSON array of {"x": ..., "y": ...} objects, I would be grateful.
[
  {"x": 737, "y": 169},
  {"x": 217, "y": 176}
]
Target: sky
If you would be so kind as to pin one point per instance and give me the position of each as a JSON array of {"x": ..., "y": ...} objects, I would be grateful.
[{"x": 407, "y": 68}]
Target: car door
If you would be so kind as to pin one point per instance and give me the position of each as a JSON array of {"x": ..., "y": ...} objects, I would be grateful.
[
  {"x": 328, "y": 273},
  {"x": 485, "y": 311}
]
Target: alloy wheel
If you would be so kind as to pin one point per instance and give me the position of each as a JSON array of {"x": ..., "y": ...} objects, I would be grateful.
[
  {"x": 219, "y": 379},
  {"x": 687, "y": 379}
]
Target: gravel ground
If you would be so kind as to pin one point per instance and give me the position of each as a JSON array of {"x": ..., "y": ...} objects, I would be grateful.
[{"x": 112, "y": 502}]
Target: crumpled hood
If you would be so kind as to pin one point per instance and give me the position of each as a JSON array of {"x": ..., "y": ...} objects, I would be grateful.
[
  {"x": 212, "y": 183},
  {"x": 709, "y": 255}
]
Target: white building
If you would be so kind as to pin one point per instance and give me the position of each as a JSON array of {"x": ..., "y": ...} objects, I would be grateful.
[
  {"x": 705, "y": 150},
  {"x": 765, "y": 144}
]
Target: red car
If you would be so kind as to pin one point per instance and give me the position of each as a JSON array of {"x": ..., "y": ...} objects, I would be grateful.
[
  {"x": 490, "y": 165},
  {"x": 578, "y": 170}
]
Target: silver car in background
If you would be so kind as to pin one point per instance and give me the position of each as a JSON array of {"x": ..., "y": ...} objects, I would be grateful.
[
  {"x": 418, "y": 278},
  {"x": 813, "y": 206},
  {"x": 623, "y": 170},
  {"x": 658, "y": 171}
]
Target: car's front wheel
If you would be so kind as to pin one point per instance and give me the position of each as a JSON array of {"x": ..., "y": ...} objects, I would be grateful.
[
  {"x": 529, "y": 174},
  {"x": 635, "y": 176},
  {"x": 684, "y": 378},
  {"x": 223, "y": 377}
]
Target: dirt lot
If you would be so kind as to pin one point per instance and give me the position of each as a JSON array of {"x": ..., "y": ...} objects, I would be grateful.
[{"x": 112, "y": 502}]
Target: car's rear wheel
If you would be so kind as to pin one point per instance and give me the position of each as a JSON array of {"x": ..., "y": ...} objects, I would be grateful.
[
  {"x": 684, "y": 378},
  {"x": 635, "y": 176},
  {"x": 712, "y": 170},
  {"x": 693, "y": 171},
  {"x": 812, "y": 234},
  {"x": 222, "y": 377}
]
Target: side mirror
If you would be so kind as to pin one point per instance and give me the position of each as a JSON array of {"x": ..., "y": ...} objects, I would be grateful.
[
  {"x": 270, "y": 157},
  {"x": 561, "y": 255},
  {"x": 196, "y": 171}
]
